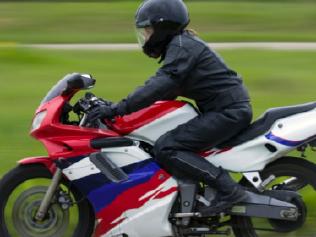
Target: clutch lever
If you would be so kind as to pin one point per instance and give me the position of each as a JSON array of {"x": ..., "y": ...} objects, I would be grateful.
[{"x": 83, "y": 120}]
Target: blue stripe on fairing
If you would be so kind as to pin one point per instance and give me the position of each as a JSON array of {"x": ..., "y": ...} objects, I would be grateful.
[
  {"x": 91, "y": 182},
  {"x": 282, "y": 141},
  {"x": 104, "y": 195},
  {"x": 95, "y": 181}
]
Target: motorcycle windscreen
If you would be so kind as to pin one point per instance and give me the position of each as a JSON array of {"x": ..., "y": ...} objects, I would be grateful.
[{"x": 68, "y": 84}]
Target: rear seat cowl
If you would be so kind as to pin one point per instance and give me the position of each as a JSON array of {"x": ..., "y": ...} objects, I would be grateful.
[{"x": 265, "y": 121}]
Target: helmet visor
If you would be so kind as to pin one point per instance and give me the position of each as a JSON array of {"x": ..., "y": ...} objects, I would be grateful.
[{"x": 143, "y": 35}]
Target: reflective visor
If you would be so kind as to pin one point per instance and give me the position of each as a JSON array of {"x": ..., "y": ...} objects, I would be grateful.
[{"x": 141, "y": 36}]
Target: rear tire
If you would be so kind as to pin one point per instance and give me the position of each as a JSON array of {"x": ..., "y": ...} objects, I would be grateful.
[
  {"x": 16, "y": 215},
  {"x": 285, "y": 167}
]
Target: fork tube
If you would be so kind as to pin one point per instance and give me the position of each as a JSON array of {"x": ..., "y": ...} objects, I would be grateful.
[{"x": 40, "y": 214}]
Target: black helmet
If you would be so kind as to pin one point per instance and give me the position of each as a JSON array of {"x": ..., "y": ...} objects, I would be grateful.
[{"x": 167, "y": 19}]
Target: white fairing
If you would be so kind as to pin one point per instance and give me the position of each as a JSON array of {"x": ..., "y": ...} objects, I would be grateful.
[
  {"x": 81, "y": 169},
  {"x": 249, "y": 156},
  {"x": 121, "y": 156},
  {"x": 253, "y": 155},
  {"x": 152, "y": 131},
  {"x": 149, "y": 220},
  {"x": 297, "y": 127}
]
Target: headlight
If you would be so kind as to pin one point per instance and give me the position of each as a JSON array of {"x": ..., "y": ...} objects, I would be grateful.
[{"x": 39, "y": 117}]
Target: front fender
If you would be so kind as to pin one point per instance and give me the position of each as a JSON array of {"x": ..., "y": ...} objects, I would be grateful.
[{"x": 43, "y": 160}]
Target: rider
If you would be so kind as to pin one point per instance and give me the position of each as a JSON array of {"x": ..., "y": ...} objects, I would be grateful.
[{"x": 190, "y": 69}]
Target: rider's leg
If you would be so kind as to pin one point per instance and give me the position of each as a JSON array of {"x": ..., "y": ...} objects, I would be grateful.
[{"x": 177, "y": 150}]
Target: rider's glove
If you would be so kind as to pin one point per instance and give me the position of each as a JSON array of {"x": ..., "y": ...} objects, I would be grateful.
[{"x": 100, "y": 111}]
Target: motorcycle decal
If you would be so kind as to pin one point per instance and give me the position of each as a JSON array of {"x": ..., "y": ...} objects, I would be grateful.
[
  {"x": 152, "y": 131},
  {"x": 105, "y": 195},
  {"x": 128, "y": 123},
  {"x": 94, "y": 184},
  {"x": 285, "y": 142},
  {"x": 156, "y": 209},
  {"x": 159, "y": 186},
  {"x": 214, "y": 152}
]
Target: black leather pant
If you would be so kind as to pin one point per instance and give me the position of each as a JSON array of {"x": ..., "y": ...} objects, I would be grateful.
[{"x": 177, "y": 150}]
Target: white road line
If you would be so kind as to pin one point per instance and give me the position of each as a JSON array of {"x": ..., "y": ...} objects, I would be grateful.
[{"x": 126, "y": 47}]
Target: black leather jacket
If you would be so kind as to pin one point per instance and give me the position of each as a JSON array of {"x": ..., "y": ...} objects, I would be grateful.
[{"x": 190, "y": 69}]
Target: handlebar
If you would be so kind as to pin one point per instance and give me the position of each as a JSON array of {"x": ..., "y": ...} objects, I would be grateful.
[{"x": 84, "y": 104}]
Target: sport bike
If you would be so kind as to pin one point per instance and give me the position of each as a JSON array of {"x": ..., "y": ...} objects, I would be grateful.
[{"x": 101, "y": 179}]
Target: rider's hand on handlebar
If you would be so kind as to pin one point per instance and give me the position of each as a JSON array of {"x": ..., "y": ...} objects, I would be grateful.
[{"x": 100, "y": 111}]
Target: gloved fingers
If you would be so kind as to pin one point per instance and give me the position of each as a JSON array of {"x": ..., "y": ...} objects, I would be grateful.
[
  {"x": 94, "y": 114},
  {"x": 100, "y": 112},
  {"x": 106, "y": 102},
  {"x": 94, "y": 117}
]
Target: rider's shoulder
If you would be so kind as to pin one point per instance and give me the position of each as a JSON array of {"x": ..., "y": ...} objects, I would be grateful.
[{"x": 189, "y": 42}]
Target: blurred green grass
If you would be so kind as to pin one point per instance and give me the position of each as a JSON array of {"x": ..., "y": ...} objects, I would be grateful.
[
  {"x": 274, "y": 78},
  {"x": 113, "y": 21}
]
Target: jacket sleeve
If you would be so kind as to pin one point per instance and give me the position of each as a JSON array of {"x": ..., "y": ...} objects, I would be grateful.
[{"x": 165, "y": 85}]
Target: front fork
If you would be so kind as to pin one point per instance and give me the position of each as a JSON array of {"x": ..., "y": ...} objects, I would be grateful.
[{"x": 41, "y": 213}]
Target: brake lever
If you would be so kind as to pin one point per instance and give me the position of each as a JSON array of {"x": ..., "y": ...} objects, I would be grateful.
[{"x": 83, "y": 120}]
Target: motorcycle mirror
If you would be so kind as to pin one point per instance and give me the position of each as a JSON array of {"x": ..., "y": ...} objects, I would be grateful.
[{"x": 78, "y": 81}]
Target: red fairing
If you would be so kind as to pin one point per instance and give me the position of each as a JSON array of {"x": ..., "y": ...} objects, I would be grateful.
[
  {"x": 129, "y": 123},
  {"x": 63, "y": 140},
  {"x": 46, "y": 161}
]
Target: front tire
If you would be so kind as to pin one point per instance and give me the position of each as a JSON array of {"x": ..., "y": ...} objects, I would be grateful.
[{"x": 21, "y": 192}]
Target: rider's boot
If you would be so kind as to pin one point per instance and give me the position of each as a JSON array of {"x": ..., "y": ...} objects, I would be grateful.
[
  {"x": 229, "y": 193},
  {"x": 199, "y": 169}
]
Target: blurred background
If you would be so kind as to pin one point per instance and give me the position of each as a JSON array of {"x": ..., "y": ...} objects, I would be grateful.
[{"x": 275, "y": 77}]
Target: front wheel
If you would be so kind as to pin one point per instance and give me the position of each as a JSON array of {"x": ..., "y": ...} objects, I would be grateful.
[
  {"x": 21, "y": 193},
  {"x": 293, "y": 174}
]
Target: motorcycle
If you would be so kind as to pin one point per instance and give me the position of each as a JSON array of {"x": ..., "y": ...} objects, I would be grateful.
[{"x": 100, "y": 179}]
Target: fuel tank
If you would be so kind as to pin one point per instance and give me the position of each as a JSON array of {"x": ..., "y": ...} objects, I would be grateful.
[
  {"x": 150, "y": 123},
  {"x": 284, "y": 135}
]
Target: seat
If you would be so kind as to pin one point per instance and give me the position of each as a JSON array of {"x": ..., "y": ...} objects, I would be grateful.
[{"x": 264, "y": 123}]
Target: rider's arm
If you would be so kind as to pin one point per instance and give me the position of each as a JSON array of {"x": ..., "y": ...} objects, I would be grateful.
[{"x": 165, "y": 85}]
